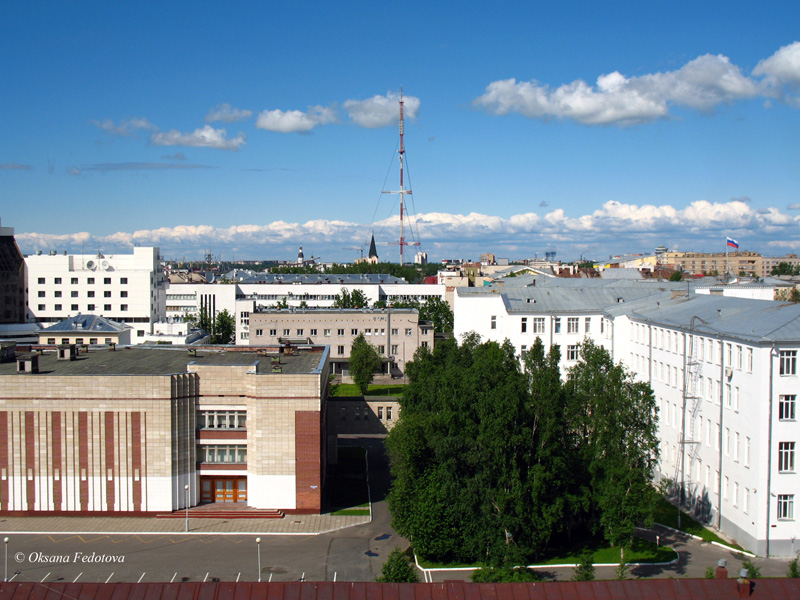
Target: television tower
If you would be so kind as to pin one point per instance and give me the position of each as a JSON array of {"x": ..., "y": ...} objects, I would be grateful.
[{"x": 402, "y": 191}]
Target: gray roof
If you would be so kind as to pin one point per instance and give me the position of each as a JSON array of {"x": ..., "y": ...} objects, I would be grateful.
[
  {"x": 311, "y": 278},
  {"x": 87, "y": 323},
  {"x": 621, "y": 274},
  {"x": 164, "y": 361},
  {"x": 763, "y": 321}
]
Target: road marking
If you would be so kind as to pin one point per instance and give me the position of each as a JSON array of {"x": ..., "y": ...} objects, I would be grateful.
[
  {"x": 140, "y": 578},
  {"x": 204, "y": 578},
  {"x": 303, "y": 576},
  {"x": 237, "y": 576},
  {"x": 76, "y": 579},
  {"x": 15, "y": 574},
  {"x": 270, "y": 578},
  {"x": 45, "y": 577},
  {"x": 173, "y": 577},
  {"x": 334, "y": 577},
  {"x": 110, "y": 576}
]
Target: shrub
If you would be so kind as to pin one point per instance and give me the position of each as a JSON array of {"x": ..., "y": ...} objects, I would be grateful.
[
  {"x": 585, "y": 569},
  {"x": 504, "y": 574},
  {"x": 397, "y": 569},
  {"x": 754, "y": 572}
]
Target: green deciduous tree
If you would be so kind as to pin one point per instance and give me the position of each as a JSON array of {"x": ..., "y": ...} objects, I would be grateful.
[
  {"x": 439, "y": 313},
  {"x": 585, "y": 569},
  {"x": 224, "y": 330},
  {"x": 348, "y": 299},
  {"x": 397, "y": 569},
  {"x": 504, "y": 574},
  {"x": 497, "y": 463},
  {"x": 364, "y": 361}
]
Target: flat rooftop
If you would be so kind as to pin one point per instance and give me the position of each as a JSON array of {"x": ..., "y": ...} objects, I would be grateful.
[{"x": 165, "y": 361}]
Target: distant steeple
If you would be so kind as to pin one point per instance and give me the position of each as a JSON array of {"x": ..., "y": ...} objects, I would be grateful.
[
  {"x": 300, "y": 258},
  {"x": 373, "y": 253}
]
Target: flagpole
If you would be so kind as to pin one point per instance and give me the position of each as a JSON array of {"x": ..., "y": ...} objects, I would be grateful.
[{"x": 727, "y": 268}]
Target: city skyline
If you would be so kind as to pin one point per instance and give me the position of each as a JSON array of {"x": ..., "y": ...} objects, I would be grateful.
[{"x": 247, "y": 132}]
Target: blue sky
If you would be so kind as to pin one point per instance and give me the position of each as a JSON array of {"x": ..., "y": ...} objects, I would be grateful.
[{"x": 247, "y": 129}]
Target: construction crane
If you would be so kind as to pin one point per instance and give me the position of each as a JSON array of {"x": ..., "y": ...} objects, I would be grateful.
[{"x": 357, "y": 249}]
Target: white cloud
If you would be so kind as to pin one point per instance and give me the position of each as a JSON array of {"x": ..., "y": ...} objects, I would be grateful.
[
  {"x": 125, "y": 128},
  {"x": 296, "y": 121},
  {"x": 380, "y": 111},
  {"x": 227, "y": 114},
  {"x": 614, "y": 227},
  {"x": 781, "y": 73},
  {"x": 701, "y": 84},
  {"x": 205, "y": 137}
]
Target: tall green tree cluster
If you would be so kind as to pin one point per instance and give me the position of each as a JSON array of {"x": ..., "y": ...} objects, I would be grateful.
[
  {"x": 434, "y": 309},
  {"x": 221, "y": 329},
  {"x": 499, "y": 463},
  {"x": 347, "y": 299},
  {"x": 364, "y": 361}
]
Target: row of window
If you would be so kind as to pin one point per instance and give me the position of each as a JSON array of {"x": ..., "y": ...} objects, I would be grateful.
[
  {"x": 89, "y": 307},
  {"x": 537, "y": 324},
  {"x": 79, "y": 341},
  {"x": 361, "y": 413},
  {"x": 89, "y": 280},
  {"x": 74, "y": 294},
  {"x": 339, "y": 332},
  {"x": 222, "y": 454},
  {"x": 222, "y": 419}
]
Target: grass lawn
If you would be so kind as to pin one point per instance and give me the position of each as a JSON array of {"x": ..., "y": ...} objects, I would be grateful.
[
  {"x": 351, "y": 390},
  {"x": 642, "y": 551},
  {"x": 667, "y": 514}
]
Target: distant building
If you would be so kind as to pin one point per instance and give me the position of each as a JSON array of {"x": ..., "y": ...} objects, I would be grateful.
[
  {"x": 88, "y": 330},
  {"x": 714, "y": 263},
  {"x": 12, "y": 279},
  {"x": 421, "y": 258},
  {"x": 396, "y": 332}
]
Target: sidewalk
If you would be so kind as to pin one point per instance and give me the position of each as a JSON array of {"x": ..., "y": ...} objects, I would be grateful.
[{"x": 289, "y": 525}]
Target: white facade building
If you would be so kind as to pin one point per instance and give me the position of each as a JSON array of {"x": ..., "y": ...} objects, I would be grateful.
[
  {"x": 724, "y": 372},
  {"x": 127, "y": 288}
]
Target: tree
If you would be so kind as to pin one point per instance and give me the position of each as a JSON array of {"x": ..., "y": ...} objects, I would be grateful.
[
  {"x": 585, "y": 569},
  {"x": 786, "y": 269},
  {"x": 224, "y": 330},
  {"x": 794, "y": 568},
  {"x": 397, "y": 569},
  {"x": 364, "y": 361},
  {"x": 676, "y": 276},
  {"x": 347, "y": 299},
  {"x": 439, "y": 313},
  {"x": 504, "y": 574}
]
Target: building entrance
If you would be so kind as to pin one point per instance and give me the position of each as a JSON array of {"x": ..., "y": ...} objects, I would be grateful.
[{"x": 223, "y": 489}]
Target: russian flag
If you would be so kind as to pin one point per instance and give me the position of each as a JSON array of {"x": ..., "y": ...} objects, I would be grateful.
[{"x": 733, "y": 243}]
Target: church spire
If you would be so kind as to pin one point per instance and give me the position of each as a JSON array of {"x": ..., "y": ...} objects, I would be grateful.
[{"x": 372, "y": 251}]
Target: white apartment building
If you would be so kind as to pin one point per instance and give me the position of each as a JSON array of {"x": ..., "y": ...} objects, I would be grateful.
[
  {"x": 127, "y": 288},
  {"x": 241, "y": 299},
  {"x": 724, "y": 372}
]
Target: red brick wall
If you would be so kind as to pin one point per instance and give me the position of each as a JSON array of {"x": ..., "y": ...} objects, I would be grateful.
[{"x": 308, "y": 457}]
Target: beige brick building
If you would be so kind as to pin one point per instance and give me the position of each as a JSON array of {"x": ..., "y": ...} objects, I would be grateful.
[
  {"x": 396, "y": 332},
  {"x": 127, "y": 430},
  {"x": 702, "y": 263}
]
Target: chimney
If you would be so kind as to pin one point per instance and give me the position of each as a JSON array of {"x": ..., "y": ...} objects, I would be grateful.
[
  {"x": 743, "y": 585},
  {"x": 721, "y": 572}
]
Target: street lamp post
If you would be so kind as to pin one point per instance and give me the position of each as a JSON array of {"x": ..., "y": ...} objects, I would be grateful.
[
  {"x": 186, "y": 494},
  {"x": 258, "y": 547},
  {"x": 5, "y": 543}
]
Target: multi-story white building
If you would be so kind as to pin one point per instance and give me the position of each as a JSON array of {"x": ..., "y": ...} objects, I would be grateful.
[
  {"x": 724, "y": 373},
  {"x": 316, "y": 291},
  {"x": 127, "y": 288}
]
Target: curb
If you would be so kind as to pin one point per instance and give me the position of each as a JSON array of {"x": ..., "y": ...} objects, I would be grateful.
[{"x": 699, "y": 539}]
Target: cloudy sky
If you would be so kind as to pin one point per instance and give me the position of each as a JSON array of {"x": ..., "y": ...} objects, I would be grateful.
[{"x": 246, "y": 129}]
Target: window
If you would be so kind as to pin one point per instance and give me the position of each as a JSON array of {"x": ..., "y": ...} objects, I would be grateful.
[
  {"x": 140, "y": 333},
  {"x": 123, "y": 280},
  {"x": 739, "y": 357},
  {"x": 273, "y": 332},
  {"x": 354, "y": 331},
  {"x": 788, "y": 360},
  {"x": 786, "y": 407},
  {"x": 232, "y": 454},
  {"x": 73, "y": 307},
  {"x": 573, "y": 324},
  {"x": 90, "y": 307},
  {"x": 746, "y": 500},
  {"x": 41, "y": 307},
  {"x": 313, "y": 332},
  {"x": 259, "y": 332},
  {"x": 587, "y": 324},
  {"x": 409, "y": 331},
  {"x": 538, "y": 325},
  {"x": 339, "y": 332},
  {"x": 41, "y": 279},
  {"x": 299, "y": 332},
  {"x": 736, "y": 446},
  {"x": 388, "y": 413},
  {"x": 786, "y": 457},
  {"x": 381, "y": 349},
  {"x": 123, "y": 294},
  {"x": 57, "y": 293},
  {"x": 524, "y": 325},
  {"x": 728, "y": 354},
  {"x": 736, "y": 493},
  {"x": 746, "y": 451},
  {"x": 736, "y": 398},
  {"x": 394, "y": 348},
  {"x": 90, "y": 281},
  {"x": 340, "y": 350},
  {"x": 380, "y": 413},
  {"x": 368, "y": 331},
  {"x": 785, "y": 507},
  {"x": 106, "y": 307},
  {"x": 286, "y": 332},
  {"x": 394, "y": 331},
  {"x": 42, "y": 294},
  {"x": 93, "y": 341},
  {"x": 343, "y": 414},
  {"x": 523, "y": 350},
  {"x": 79, "y": 341},
  {"x": 222, "y": 419},
  {"x": 74, "y": 281},
  {"x": 57, "y": 307},
  {"x": 90, "y": 294},
  {"x": 357, "y": 412},
  {"x": 57, "y": 280},
  {"x": 557, "y": 325},
  {"x": 73, "y": 294},
  {"x": 572, "y": 352},
  {"x": 727, "y": 395},
  {"x": 107, "y": 294},
  {"x": 107, "y": 280},
  {"x": 726, "y": 441},
  {"x": 51, "y": 341},
  {"x": 493, "y": 322}
]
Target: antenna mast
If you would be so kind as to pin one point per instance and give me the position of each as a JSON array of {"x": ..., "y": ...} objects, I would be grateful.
[{"x": 402, "y": 191}]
